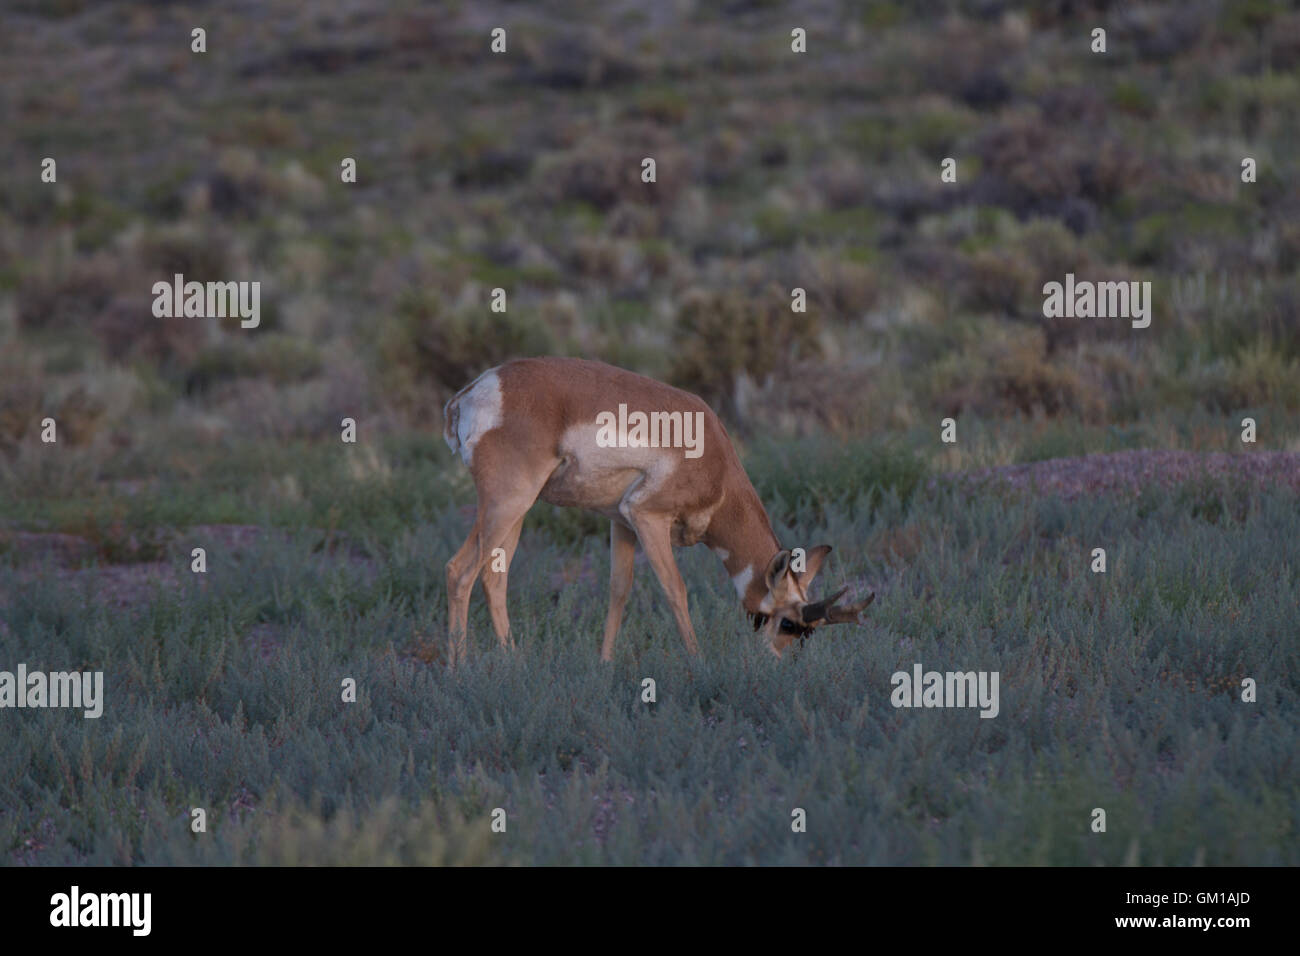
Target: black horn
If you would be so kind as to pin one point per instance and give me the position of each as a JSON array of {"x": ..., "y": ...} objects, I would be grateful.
[{"x": 817, "y": 610}]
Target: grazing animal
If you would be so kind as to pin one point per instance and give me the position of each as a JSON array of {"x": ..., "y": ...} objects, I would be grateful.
[{"x": 653, "y": 459}]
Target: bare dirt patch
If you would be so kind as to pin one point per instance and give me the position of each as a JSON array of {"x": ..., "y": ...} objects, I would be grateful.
[
  {"x": 1128, "y": 472},
  {"x": 77, "y": 562}
]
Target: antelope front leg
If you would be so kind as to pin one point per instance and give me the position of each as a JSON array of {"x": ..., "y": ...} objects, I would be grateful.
[
  {"x": 656, "y": 540},
  {"x": 622, "y": 555}
]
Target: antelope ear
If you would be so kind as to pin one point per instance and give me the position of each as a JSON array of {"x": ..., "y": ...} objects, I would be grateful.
[
  {"x": 777, "y": 569},
  {"x": 812, "y": 565}
]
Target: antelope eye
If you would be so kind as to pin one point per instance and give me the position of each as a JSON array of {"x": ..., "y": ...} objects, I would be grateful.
[{"x": 788, "y": 625}]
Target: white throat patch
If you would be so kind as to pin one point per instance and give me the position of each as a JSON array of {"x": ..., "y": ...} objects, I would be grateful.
[{"x": 741, "y": 580}]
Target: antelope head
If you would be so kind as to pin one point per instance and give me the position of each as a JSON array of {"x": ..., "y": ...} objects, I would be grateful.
[{"x": 787, "y": 611}]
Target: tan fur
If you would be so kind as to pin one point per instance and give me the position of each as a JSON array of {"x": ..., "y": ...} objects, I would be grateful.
[{"x": 543, "y": 445}]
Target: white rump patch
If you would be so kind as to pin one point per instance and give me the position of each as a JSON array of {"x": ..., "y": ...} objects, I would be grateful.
[{"x": 479, "y": 412}]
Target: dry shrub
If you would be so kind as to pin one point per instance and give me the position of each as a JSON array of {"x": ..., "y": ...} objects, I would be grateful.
[
  {"x": 127, "y": 328},
  {"x": 430, "y": 36},
  {"x": 575, "y": 59},
  {"x": 68, "y": 296},
  {"x": 200, "y": 253},
  {"x": 665, "y": 106},
  {"x": 664, "y": 261},
  {"x": 1162, "y": 33},
  {"x": 596, "y": 257},
  {"x": 842, "y": 181},
  {"x": 27, "y": 397},
  {"x": 1115, "y": 370},
  {"x": 1284, "y": 44},
  {"x": 1288, "y": 247},
  {"x": 111, "y": 294},
  {"x": 1085, "y": 105},
  {"x": 844, "y": 289},
  {"x": 119, "y": 537},
  {"x": 1109, "y": 169},
  {"x": 227, "y": 195},
  {"x": 604, "y": 174},
  {"x": 811, "y": 397},
  {"x": 1256, "y": 377},
  {"x": 1022, "y": 379},
  {"x": 1279, "y": 316},
  {"x": 1052, "y": 250},
  {"x": 484, "y": 158},
  {"x": 258, "y": 408},
  {"x": 723, "y": 335},
  {"x": 80, "y": 416},
  {"x": 1030, "y": 166},
  {"x": 1065, "y": 332},
  {"x": 22, "y": 396},
  {"x": 725, "y": 153},
  {"x": 998, "y": 281},
  {"x": 427, "y": 345},
  {"x": 636, "y": 221},
  {"x": 1011, "y": 372},
  {"x": 1025, "y": 153},
  {"x": 278, "y": 358},
  {"x": 598, "y": 175}
]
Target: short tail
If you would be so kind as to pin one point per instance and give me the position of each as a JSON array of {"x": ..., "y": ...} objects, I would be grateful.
[{"x": 451, "y": 423}]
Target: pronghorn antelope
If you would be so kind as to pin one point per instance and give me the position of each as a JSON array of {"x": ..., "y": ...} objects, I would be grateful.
[{"x": 545, "y": 428}]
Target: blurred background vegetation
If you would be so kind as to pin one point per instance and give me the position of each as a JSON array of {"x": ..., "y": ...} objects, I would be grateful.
[{"x": 775, "y": 170}]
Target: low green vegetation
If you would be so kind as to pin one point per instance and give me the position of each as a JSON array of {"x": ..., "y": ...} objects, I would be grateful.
[{"x": 1119, "y": 690}]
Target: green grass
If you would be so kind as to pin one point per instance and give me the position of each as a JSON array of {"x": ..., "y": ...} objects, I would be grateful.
[{"x": 1119, "y": 691}]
